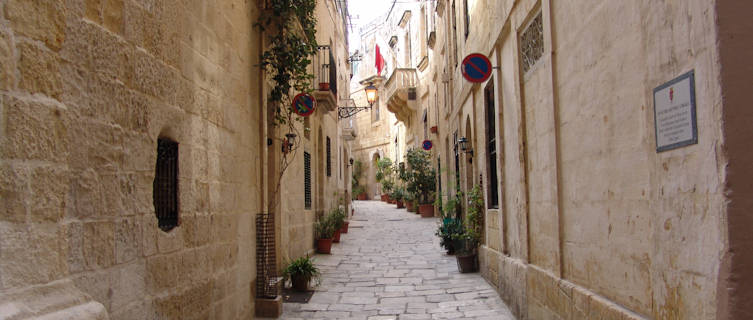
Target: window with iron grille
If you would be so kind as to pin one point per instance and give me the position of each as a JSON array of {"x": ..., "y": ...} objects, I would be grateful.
[
  {"x": 329, "y": 158},
  {"x": 467, "y": 18},
  {"x": 307, "y": 180},
  {"x": 165, "y": 186},
  {"x": 491, "y": 146},
  {"x": 532, "y": 43}
]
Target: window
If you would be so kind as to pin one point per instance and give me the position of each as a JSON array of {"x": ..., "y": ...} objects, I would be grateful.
[
  {"x": 307, "y": 180},
  {"x": 467, "y": 17},
  {"x": 329, "y": 157},
  {"x": 454, "y": 36},
  {"x": 532, "y": 43},
  {"x": 491, "y": 147},
  {"x": 165, "y": 186}
]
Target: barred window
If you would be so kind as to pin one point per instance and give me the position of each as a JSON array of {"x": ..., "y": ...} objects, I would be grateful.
[
  {"x": 165, "y": 185},
  {"x": 491, "y": 146},
  {"x": 307, "y": 180},
  {"x": 532, "y": 43},
  {"x": 329, "y": 158},
  {"x": 467, "y": 17}
]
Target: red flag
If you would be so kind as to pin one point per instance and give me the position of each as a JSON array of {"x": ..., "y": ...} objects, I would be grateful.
[{"x": 379, "y": 61}]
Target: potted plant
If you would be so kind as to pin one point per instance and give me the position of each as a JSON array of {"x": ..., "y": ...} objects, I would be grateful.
[
  {"x": 450, "y": 230},
  {"x": 324, "y": 231},
  {"x": 399, "y": 196},
  {"x": 359, "y": 191},
  {"x": 384, "y": 176},
  {"x": 337, "y": 218},
  {"x": 467, "y": 257},
  {"x": 408, "y": 199},
  {"x": 300, "y": 272},
  {"x": 422, "y": 180}
]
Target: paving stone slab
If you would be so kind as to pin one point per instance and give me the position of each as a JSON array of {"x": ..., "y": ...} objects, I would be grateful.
[{"x": 391, "y": 267}]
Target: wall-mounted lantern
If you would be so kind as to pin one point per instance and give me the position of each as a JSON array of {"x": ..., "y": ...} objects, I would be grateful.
[
  {"x": 350, "y": 110},
  {"x": 465, "y": 147},
  {"x": 287, "y": 144}
]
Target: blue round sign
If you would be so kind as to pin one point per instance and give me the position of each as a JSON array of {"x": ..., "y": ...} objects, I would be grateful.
[
  {"x": 476, "y": 68},
  {"x": 427, "y": 145}
]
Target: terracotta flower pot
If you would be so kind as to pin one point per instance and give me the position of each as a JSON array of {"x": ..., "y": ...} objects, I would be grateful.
[
  {"x": 426, "y": 210},
  {"x": 400, "y": 204},
  {"x": 361, "y": 196},
  {"x": 324, "y": 245},
  {"x": 385, "y": 198},
  {"x": 467, "y": 263},
  {"x": 434, "y": 129},
  {"x": 336, "y": 236},
  {"x": 323, "y": 86},
  {"x": 300, "y": 283},
  {"x": 344, "y": 229},
  {"x": 410, "y": 207}
]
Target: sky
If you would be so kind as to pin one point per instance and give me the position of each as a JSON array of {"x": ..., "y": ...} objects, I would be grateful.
[{"x": 363, "y": 12}]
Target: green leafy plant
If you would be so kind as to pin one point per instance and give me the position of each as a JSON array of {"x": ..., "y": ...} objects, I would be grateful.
[
  {"x": 398, "y": 194},
  {"x": 474, "y": 220},
  {"x": 422, "y": 177},
  {"x": 336, "y": 217},
  {"x": 291, "y": 30},
  {"x": 449, "y": 232},
  {"x": 302, "y": 267},
  {"x": 384, "y": 174},
  {"x": 355, "y": 180},
  {"x": 324, "y": 228}
]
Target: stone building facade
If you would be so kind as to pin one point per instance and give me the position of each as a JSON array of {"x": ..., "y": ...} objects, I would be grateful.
[
  {"x": 587, "y": 219},
  {"x": 88, "y": 90}
]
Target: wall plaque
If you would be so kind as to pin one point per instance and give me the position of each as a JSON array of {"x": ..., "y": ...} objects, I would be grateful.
[{"x": 674, "y": 113}]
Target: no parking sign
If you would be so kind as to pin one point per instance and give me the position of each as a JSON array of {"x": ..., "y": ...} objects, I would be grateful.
[
  {"x": 427, "y": 145},
  {"x": 476, "y": 68},
  {"x": 304, "y": 104}
]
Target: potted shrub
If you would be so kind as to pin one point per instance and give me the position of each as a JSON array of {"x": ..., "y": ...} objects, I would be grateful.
[
  {"x": 300, "y": 272},
  {"x": 467, "y": 256},
  {"x": 422, "y": 180},
  {"x": 450, "y": 230},
  {"x": 399, "y": 195},
  {"x": 324, "y": 231},
  {"x": 359, "y": 191},
  {"x": 337, "y": 218},
  {"x": 408, "y": 199},
  {"x": 384, "y": 176}
]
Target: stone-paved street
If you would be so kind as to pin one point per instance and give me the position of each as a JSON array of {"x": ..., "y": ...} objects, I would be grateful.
[{"x": 390, "y": 266}]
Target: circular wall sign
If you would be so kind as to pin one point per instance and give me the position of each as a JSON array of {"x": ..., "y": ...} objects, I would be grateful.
[
  {"x": 427, "y": 145},
  {"x": 304, "y": 104},
  {"x": 476, "y": 68}
]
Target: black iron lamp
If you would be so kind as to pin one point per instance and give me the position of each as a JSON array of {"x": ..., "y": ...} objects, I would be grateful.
[
  {"x": 464, "y": 147},
  {"x": 351, "y": 109},
  {"x": 351, "y": 161}
]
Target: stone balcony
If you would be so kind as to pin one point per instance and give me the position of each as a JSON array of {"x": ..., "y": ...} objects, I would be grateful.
[{"x": 400, "y": 92}]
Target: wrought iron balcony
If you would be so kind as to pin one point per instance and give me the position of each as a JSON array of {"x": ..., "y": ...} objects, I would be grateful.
[{"x": 325, "y": 78}]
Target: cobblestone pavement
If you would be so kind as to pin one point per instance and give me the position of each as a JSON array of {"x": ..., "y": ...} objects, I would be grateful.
[{"x": 390, "y": 266}]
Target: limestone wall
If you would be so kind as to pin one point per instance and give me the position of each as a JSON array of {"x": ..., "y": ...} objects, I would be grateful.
[
  {"x": 593, "y": 223},
  {"x": 86, "y": 88}
]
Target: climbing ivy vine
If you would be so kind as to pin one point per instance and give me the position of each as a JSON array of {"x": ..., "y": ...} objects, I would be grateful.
[{"x": 291, "y": 30}]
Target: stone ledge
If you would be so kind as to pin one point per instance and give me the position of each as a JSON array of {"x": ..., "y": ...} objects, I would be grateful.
[{"x": 56, "y": 300}]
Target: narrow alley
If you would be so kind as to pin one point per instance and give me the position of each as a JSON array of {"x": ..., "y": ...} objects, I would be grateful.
[{"x": 390, "y": 266}]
